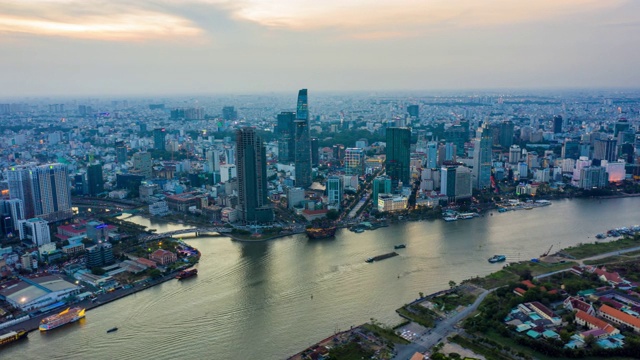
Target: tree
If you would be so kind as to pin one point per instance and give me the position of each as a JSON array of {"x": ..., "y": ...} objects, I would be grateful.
[
  {"x": 452, "y": 284},
  {"x": 333, "y": 214}
]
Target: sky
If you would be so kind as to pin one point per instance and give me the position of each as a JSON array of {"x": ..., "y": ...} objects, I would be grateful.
[{"x": 183, "y": 47}]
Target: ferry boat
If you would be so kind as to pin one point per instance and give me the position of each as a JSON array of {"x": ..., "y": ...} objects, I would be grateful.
[
  {"x": 184, "y": 274},
  {"x": 68, "y": 316},
  {"x": 497, "y": 258},
  {"x": 12, "y": 336},
  {"x": 315, "y": 233}
]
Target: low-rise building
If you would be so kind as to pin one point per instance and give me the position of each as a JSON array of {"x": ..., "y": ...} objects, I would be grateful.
[
  {"x": 592, "y": 322},
  {"x": 618, "y": 317},
  {"x": 29, "y": 293},
  {"x": 163, "y": 257}
]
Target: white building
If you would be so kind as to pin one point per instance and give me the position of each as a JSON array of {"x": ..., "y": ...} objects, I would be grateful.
[
  {"x": 294, "y": 197},
  {"x": 159, "y": 208},
  {"x": 227, "y": 172},
  {"x": 35, "y": 230},
  {"x": 389, "y": 202},
  {"x": 28, "y": 294},
  {"x": 616, "y": 171}
]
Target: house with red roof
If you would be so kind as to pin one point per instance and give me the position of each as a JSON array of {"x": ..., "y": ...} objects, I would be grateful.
[
  {"x": 163, "y": 257},
  {"x": 575, "y": 303},
  {"x": 612, "y": 278}
]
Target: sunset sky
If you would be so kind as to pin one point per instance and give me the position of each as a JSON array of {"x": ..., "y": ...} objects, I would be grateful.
[{"x": 165, "y": 47}]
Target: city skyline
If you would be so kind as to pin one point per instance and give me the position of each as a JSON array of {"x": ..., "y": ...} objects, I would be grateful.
[{"x": 165, "y": 47}]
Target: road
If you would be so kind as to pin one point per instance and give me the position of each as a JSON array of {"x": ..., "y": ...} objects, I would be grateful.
[
  {"x": 612, "y": 253},
  {"x": 441, "y": 331}
]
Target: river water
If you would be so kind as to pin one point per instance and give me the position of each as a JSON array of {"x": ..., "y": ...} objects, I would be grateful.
[{"x": 272, "y": 299}]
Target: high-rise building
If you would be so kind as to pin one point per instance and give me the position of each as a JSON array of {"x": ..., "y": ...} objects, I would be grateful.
[
  {"x": 605, "y": 149},
  {"x": 506, "y": 134},
  {"x": 354, "y": 161},
  {"x": 593, "y": 177},
  {"x": 229, "y": 113},
  {"x": 570, "y": 149},
  {"x": 44, "y": 190},
  {"x": 432, "y": 155},
  {"x": 94, "y": 179},
  {"x": 455, "y": 182},
  {"x": 398, "y": 153},
  {"x": 213, "y": 160},
  {"x": 143, "y": 164},
  {"x": 315, "y": 152},
  {"x": 12, "y": 211},
  {"x": 381, "y": 185},
  {"x": 621, "y": 125},
  {"x": 557, "y": 124},
  {"x": 414, "y": 111},
  {"x": 515, "y": 153},
  {"x": 159, "y": 139},
  {"x": 334, "y": 191},
  {"x": 99, "y": 255},
  {"x": 121, "y": 152},
  {"x": 302, "y": 142},
  {"x": 286, "y": 131},
  {"x": 482, "y": 157},
  {"x": 36, "y": 230},
  {"x": 251, "y": 163}
]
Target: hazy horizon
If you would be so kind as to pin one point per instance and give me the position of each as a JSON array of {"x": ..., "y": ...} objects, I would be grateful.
[{"x": 74, "y": 48}]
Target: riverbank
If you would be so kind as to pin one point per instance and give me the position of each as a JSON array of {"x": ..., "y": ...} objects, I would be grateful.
[{"x": 102, "y": 299}]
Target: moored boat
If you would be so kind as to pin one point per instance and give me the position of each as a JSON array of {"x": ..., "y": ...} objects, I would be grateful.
[
  {"x": 400, "y": 246},
  {"x": 12, "y": 336},
  {"x": 381, "y": 257},
  {"x": 113, "y": 329},
  {"x": 321, "y": 232},
  {"x": 497, "y": 258},
  {"x": 68, "y": 316},
  {"x": 184, "y": 274}
]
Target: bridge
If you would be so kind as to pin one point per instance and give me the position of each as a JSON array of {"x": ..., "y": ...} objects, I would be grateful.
[{"x": 197, "y": 231}]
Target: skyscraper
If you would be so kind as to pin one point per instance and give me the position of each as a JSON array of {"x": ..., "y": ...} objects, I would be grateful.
[
  {"x": 95, "y": 180},
  {"x": 432, "y": 155},
  {"x": 159, "y": 137},
  {"x": 398, "y": 155},
  {"x": 381, "y": 185},
  {"x": 143, "y": 164},
  {"x": 44, "y": 190},
  {"x": 506, "y": 134},
  {"x": 302, "y": 142},
  {"x": 482, "y": 157},
  {"x": 229, "y": 113},
  {"x": 334, "y": 191},
  {"x": 605, "y": 149},
  {"x": 251, "y": 163},
  {"x": 121, "y": 152},
  {"x": 286, "y": 130},
  {"x": 557, "y": 124}
]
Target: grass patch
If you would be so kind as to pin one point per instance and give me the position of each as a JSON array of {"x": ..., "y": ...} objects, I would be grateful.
[
  {"x": 607, "y": 260},
  {"x": 385, "y": 333},
  {"x": 350, "y": 351},
  {"x": 582, "y": 251},
  {"x": 496, "y": 279},
  {"x": 452, "y": 301},
  {"x": 538, "y": 268},
  {"x": 419, "y": 314},
  {"x": 479, "y": 348}
]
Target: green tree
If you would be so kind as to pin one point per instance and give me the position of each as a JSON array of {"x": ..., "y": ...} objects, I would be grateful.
[
  {"x": 452, "y": 284},
  {"x": 333, "y": 214}
]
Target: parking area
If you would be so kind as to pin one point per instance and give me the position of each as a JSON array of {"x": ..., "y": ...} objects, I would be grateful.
[{"x": 411, "y": 331}]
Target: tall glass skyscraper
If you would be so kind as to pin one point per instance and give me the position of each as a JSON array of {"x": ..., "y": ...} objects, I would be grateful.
[
  {"x": 251, "y": 163},
  {"x": 159, "y": 138},
  {"x": 286, "y": 137},
  {"x": 398, "y": 155},
  {"x": 303, "y": 142},
  {"x": 44, "y": 190},
  {"x": 482, "y": 157}
]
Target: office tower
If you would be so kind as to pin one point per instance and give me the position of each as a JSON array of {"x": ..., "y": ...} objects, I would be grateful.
[
  {"x": 482, "y": 157},
  {"x": 354, "y": 161},
  {"x": 95, "y": 180},
  {"x": 621, "y": 125},
  {"x": 459, "y": 135},
  {"x": 44, "y": 190},
  {"x": 570, "y": 150},
  {"x": 421, "y": 144},
  {"x": 303, "y": 142},
  {"x": 143, "y": 164},
  {"x": 12, "y": 211},
  {"x": 315, "y": 152},
  {"x": 99, "y": 255},
  {"x": 294, "y": 197},
  {"x": 398, "y": 155},
  {"x": 229, "y": 113},
  {"x": 81, "y": 184},
  {"x": 605, "y": 149},
  {"x": 381, "y": 185},
  {"x": 286, "y": 131},
  {"x": 334, "y": 191},
  {"x": 121, "y": 152},
  {"x": 159, "y": 139},
  {"x": 557, "y": 124},
  {"x": 228, "y": 172},
  {"x": 213, "y": 159},
  {"x": 414, "y": 111},
  {"x": 506, "y": 134},
  {"x": 432, "y": 155},
  {"x": 251, "y": 163},
  {"x": 36, "y": 230},
  {"x": 515, "y": 154},
  {"x": 523, "y": 170}
]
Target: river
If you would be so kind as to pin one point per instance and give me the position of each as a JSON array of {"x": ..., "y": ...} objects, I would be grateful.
[{"x": 272, "y": 299}]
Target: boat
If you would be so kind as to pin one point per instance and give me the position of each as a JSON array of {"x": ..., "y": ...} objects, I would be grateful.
[
  {"x": 502, "y": 210},
  {"x": 381, "y": 257},
  {"x": 12, "y": 336},
  {"x": 528, "y": 207},
  {"x": 497, "y": 258},
  {"x": 400, "y": 246},
  {"x": 184, "y": 274},
  {"x": 358, "y": 230},
  {"x": 68, "y": 316},
  {"x": 321, "y": 232},
  {"x": 450, "y": 218},
  {"x": 601, "y": 236},
  {"x": 113, "y": 329}
]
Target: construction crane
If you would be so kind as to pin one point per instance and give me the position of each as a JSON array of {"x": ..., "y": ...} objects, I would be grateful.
[{"x": 548, "y": 251}]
